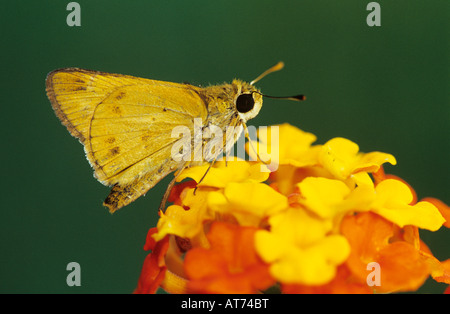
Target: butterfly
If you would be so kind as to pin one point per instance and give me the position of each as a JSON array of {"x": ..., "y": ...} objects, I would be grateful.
[{"x": 126, "y": 123}]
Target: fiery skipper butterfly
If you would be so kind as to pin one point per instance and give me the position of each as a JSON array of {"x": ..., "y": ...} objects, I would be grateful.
[{"x": 125, "y": 123}]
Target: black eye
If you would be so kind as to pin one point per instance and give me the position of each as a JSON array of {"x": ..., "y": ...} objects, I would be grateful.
[{"x": 245, "y": 103}]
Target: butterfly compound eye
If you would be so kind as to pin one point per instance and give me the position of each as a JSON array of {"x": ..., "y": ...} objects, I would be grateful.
[{"x": 245, "y": 103}]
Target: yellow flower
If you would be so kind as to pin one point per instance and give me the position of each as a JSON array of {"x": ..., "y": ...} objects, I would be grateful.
[
  {"x": 392, "y": 202},
  {"x": 329, "y": 198},
  {"x": 292, "y": 148},
  {"x": 300, "y": 248},
  {"x": 259, "y": 202},
  {"x": 311, "y": 224},
  {"x": 185, "y": 221},
  {"x": 342, "y": 159},
  {"x": 225, "y": 172}
]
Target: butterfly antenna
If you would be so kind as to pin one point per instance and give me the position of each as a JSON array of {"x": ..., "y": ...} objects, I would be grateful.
[
  {"x": 296, "y": 97},
  {"x": 276, "y": 67}
]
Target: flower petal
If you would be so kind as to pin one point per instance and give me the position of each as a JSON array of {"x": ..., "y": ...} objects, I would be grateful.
[
  {"x": 392, "y": 202},
  {"x": 223, "y": 173},
  {"x": 185, "y": 221},
  {"x": 340, "y": 156},
  {"x": 248, "y": 202},
  {"x": 443, "y": 208},
  {"x": 230, "y": 265},
  {"x": 323, "y": 196},
  {"x": 371, "y": 238},
  {"x": 330, "y": 198},
  {"x": 291, "y": 146},
  {"x": 154, "y": 268},
  {"x": 299, "y": 249}
]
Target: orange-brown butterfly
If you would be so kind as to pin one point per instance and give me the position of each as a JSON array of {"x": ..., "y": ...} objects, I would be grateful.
[{"x": 125, "y": 123}]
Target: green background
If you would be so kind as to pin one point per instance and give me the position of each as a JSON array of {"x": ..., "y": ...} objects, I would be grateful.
[{"x": 386, "y": 88}]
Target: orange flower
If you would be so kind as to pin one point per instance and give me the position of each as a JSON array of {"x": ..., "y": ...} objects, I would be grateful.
[
  {"x": 372, "y": 239},
  {"x": 229, "y": 265},
  {"x": 154, "y": 267},
  {"x": 343, "y": 283},
  {"x": 442, "y": 207}
]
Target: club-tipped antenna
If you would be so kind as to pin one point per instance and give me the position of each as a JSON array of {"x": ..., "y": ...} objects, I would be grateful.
[
  {"x": 276, "y": 67},
  {"x": 296, "y": 97}
]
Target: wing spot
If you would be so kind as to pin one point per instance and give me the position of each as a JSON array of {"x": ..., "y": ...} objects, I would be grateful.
[
  {"x": 120, "y": 95},
  {"x": 114, "y": 151},
  {"x": 116, "y": 110},
  {"x": 110, "y": 140}
]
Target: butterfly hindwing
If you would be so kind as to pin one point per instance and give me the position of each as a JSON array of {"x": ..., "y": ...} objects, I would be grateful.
[{"x": 125, "y": 124}]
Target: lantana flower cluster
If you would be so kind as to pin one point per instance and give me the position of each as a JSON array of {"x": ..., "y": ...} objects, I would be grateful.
[{"x": 312, "y": 224}]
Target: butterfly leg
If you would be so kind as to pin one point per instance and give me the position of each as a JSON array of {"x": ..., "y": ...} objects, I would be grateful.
[
  {"x": 247, "y": 135},
  {"x": 209, "y": 167},
  {"x": 207, "y": 170},
  {"x": 162, "y": 205}
]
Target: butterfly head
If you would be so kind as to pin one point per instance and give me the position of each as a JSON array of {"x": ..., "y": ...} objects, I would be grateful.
[{"x": 248, "y": 100}]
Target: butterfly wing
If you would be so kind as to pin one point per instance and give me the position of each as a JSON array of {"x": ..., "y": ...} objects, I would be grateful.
[{"x": 125, "y": 124}]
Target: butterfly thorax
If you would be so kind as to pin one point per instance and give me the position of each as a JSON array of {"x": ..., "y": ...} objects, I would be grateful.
[{"x": 229, "y": 106}]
